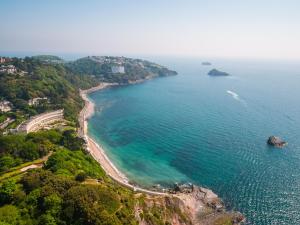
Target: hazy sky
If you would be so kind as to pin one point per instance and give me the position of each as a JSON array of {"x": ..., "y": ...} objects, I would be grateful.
[{"x": 212, "y": 28}]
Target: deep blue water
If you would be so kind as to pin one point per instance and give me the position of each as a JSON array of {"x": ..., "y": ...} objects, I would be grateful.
[{"x": 189, "y": 128}]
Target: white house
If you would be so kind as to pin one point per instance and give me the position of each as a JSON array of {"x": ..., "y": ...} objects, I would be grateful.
[
  {"x": 5, "y": 106},
  {"x": 36, "y": 101},
  {"x": 8, "y": 69},
  {"x": 117, "y": 69}
]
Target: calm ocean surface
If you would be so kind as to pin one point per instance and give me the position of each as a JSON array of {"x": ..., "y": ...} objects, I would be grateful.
[{"x": 190, "y": 128}]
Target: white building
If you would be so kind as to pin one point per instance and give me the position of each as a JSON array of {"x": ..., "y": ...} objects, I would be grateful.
[
  {"x": 117, "y": 69},
  {"x": 40, "y": 121},
  {"x": 5, "y": 106},
  {"x": 8, "y": 69},
  {"x": 36, "y": 101}
]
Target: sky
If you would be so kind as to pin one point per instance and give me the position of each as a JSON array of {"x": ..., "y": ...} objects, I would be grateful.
[{"x": 210, "y": 28}]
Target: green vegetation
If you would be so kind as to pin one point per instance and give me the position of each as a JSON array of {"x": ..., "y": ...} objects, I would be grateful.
[
  {"x": 48, "y": 58},
  {"x": 20, "y": 148},
  {"x": 71, "y": 187},
  {"x": 224, "y": 220},
  {"x": 135, "y": 69},
  {"x": 56, "y": 194},
  {"x": 42, "y": 79},
  {"x": 72, "y": 163},
  {"x": 17, "y": 149},
  {"x": 49, "y": 76}
]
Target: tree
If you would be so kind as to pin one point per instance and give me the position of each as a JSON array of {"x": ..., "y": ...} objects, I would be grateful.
[
  {"x": 9, "y": 214},
  {"x": 81, "y": 176},
  {"x": 29, "y": 151},
  {"x": 91, "y": 205},
  {"x": 47, "y": 219},
  {"x": 71, "y": 141},
  {"x": 6, "y": 191},
  {"x": 6, "y": 162},
  {"x": 52, "y": 204}
]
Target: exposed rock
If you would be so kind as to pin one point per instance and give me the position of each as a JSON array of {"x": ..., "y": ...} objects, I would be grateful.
[
  {"x": 183, "y": 188},
  {"x": 184, "y": 204},
  {"x": 276, "y": 141},
  {"x": 189, "y": 204},
  {"x": 206, "y": 63},
  {"x": 205, "y": 207},
  {"x": 215, "y": 72}
]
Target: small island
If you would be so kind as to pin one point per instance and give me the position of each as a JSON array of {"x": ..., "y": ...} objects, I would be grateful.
[
  {"x": 276, "y": 142},
  {"x": 206, "y": 64},
  {"x": 215, "y": 72}
]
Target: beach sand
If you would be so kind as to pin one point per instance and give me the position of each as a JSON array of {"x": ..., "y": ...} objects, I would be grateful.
[{"x": 96, "y": 151}]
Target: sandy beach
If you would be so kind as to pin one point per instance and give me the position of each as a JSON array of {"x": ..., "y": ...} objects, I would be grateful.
[{"x": 96, "y": 151}]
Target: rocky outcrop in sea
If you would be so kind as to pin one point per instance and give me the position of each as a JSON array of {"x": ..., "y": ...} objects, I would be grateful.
[
  {"x": 276, "y": 142},
  {"x": 215, "y": 73}
]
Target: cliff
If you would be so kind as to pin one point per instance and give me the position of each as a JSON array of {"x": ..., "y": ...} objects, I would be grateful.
[{"x": 199, "y": 206}]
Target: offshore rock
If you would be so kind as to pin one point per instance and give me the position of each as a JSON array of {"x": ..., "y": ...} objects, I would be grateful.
[
  {"x": 216, "y": 73},
  {"x": 276, "y": 141}
]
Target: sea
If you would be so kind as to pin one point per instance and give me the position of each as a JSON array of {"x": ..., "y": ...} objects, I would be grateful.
[{"x": 211, "y": 131}]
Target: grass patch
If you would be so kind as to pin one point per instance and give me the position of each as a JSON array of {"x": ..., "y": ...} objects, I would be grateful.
[
  {"x": 17, "y": 170},
  {"x": 224, "y": 220}
]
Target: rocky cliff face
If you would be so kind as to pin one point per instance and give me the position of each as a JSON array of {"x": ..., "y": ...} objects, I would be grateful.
[{"x": 198, "y": 206}]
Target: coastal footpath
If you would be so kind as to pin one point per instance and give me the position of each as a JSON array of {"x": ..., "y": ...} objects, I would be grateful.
[{"x": 202, "y": 205}]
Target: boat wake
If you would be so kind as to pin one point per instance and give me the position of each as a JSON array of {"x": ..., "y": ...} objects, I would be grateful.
[
  {"x": 233, "y": 94},
  {"x": 236, "y": 97}
]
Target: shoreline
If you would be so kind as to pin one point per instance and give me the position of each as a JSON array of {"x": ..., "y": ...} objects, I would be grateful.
[
  {"x": 96, "y": 150},
  {"x": 195, "y": 199}
]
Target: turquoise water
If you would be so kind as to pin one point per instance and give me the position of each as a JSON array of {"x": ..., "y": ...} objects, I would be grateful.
[{"x": 190, "y": 128}]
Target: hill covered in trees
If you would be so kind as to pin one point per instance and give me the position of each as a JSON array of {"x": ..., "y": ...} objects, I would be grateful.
[
  {"x": 38, "y": 79},
  {"x": 50, "y": 77},
  {"x": 131, "y": 70}
]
